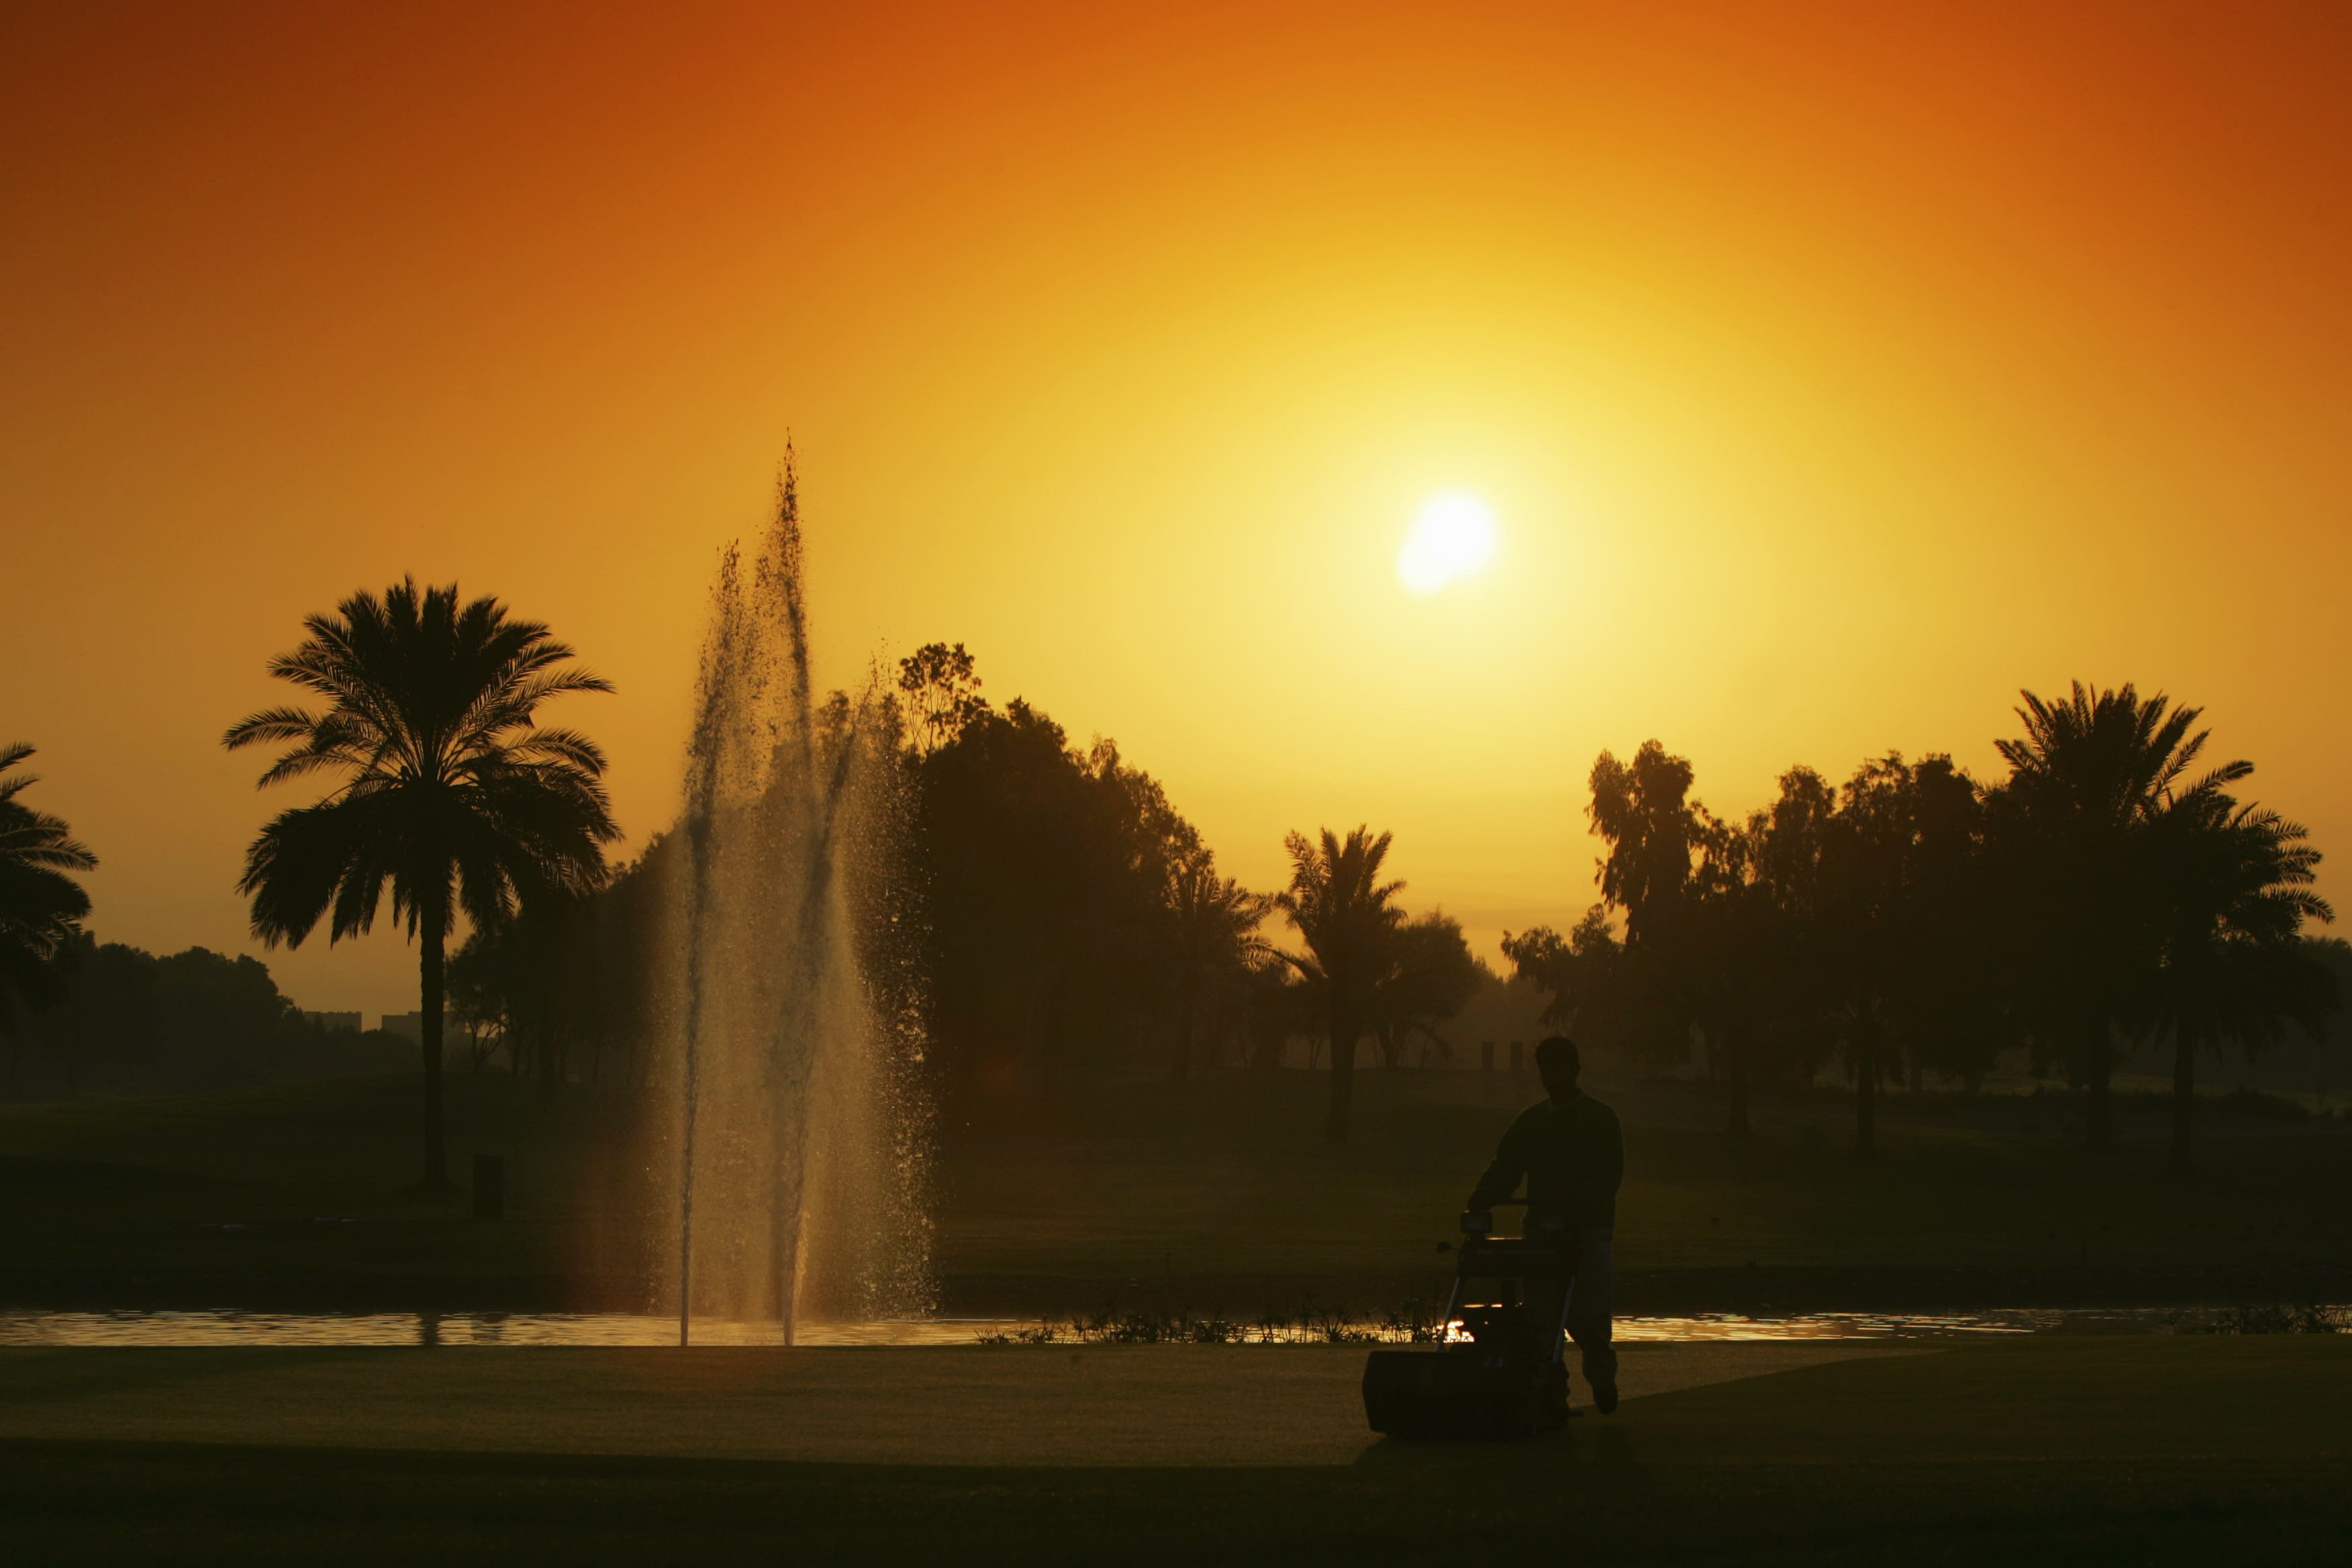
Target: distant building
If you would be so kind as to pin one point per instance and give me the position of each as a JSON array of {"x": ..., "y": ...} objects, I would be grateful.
[
  {"x": 339, "y": 1023},
  {"x": 407, "y": 1026}
]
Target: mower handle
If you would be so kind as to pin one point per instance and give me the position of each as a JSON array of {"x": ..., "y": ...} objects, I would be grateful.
[{"x": 1471, "y": 1219}]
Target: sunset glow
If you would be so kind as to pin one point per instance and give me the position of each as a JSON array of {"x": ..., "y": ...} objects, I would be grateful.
[{"x": 1828, "y": 377}]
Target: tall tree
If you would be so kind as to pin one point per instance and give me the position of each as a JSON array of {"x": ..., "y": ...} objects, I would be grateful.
[
  {"x": 2236, "y": 887},
  {"x": 1429, "y": 974},
  {"x": 538, "y": 981},
  {"x": 2074, "y": 824},
  {"x": 1952, "y": 995},
  {"x": 448, "y": 789},
  {"x": 1047, "y": 876},
  {"x": 1641, "y": 810},
  {"x": 1868, "y": 862},
  {"x": 1584, "y": 973},
  {"x": 940, "y": 687},
  {"x": 1212, "y": 934},
  {"x": 1759, "y": 977},
  {"x": 1346, "y": 915},
  {"x": 1734, "y": 938},
  {"x": 1276, "y": 1004},
  {"x": 1788, "y": 840},
  {"x": 41, "y": 905},
  {"x": 1898, "y": 911}
]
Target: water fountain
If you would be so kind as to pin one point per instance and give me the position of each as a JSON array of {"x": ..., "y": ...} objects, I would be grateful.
[{"x": 788, "y": 1073}]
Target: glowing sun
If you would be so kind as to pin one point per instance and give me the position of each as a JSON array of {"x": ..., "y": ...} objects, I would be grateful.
[{"x": 1452, "y": 536}]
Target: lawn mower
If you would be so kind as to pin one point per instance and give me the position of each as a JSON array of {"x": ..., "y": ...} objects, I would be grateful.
[{"x": 1498, "y": 1369}]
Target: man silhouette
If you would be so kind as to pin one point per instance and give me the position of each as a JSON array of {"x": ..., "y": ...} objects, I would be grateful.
[{"x": 1571, "y": 1152}]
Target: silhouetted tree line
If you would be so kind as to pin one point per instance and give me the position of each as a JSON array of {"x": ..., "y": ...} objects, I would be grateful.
[
  {"x": 1074, "y": 919},
  {"x": 1062, "y": 915},
  {"x": 127, "y": 1021},
  {"x": 557, "y": 991},
  {"x": 1913, "y": 920},
  {"x": 1052, "y": 913}
]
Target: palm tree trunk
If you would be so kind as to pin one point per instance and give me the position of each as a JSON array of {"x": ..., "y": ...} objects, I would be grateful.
[
  {"x": 1182, "y": 1067},
  {"x": 2099, "y": 1124},
  {"x": 1738, "y": 1126},
  {"x": 2184, "y": 1095},
  {"x": 1865, "y": 1092},
  {"x": 436, "y": 933},
  {"x": 1344, "y": 1033}
]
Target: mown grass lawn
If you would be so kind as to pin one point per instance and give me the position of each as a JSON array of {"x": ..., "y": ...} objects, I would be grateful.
[
  {"x": 240, "y": 1197},
  {"x": 2140, "y": 1450}
]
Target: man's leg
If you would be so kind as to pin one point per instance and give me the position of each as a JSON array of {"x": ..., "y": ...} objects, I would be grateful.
[{"x": 1590, "y": 1303}]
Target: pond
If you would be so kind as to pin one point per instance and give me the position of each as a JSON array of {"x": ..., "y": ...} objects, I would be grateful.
[{"x": 228, "y": 1327}]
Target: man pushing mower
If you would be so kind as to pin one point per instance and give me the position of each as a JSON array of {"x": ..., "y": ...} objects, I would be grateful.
[
  {"x": 1571, "y": 1152},
  {"x": 1498, "y": 1370}
]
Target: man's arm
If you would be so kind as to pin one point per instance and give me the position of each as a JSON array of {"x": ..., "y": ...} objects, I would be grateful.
[{"x": 1502, "y": 1177}]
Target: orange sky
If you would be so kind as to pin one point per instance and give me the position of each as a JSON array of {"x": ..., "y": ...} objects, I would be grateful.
[{"x": 1832, "y": 373}]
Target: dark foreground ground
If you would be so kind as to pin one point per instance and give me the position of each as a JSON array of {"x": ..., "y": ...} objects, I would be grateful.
[
  {"x": 2160, "y": 1450},
  {"x": 1218, "y": 1195}
]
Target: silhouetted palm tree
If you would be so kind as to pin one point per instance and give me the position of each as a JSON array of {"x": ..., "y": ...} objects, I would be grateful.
[
  {"x": 1212, "y": 924},
  {"x": 2237, "y": 889},
  {"x": 2088, "y": 780},
  {"x": 450, "y": 791},
  {"x": 1345, "y": 914},
  {"x": 41, "y": 906}
]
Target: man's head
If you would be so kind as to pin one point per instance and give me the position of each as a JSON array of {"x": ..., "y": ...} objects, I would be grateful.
[{"x": 1558, "y": 1064}]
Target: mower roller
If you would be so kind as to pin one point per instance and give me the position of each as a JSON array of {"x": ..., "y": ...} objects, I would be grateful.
[{"x": 1500, "y": 1369}]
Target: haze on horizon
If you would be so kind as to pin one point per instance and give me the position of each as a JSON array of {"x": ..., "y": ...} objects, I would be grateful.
[{"x": 1828, "y": 380}]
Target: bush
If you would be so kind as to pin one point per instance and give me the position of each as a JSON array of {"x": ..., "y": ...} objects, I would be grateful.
[{"x": 2272, "y": 1318}]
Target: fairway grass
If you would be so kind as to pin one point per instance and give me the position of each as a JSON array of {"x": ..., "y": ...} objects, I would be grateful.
[
  {"x": 2140, "y": 1449},
  {"x": 1003, "y": 1405},
  {"x": 1219, "y": 1196}
]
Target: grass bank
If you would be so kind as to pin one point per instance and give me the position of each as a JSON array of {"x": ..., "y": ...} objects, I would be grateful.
[{"x": 1216, "y": 1194}]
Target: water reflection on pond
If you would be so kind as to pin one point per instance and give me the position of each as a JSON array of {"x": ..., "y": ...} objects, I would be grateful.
[
  {"x": 26, "y": 1327},
  {"x": 239, "y": 1328}
]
